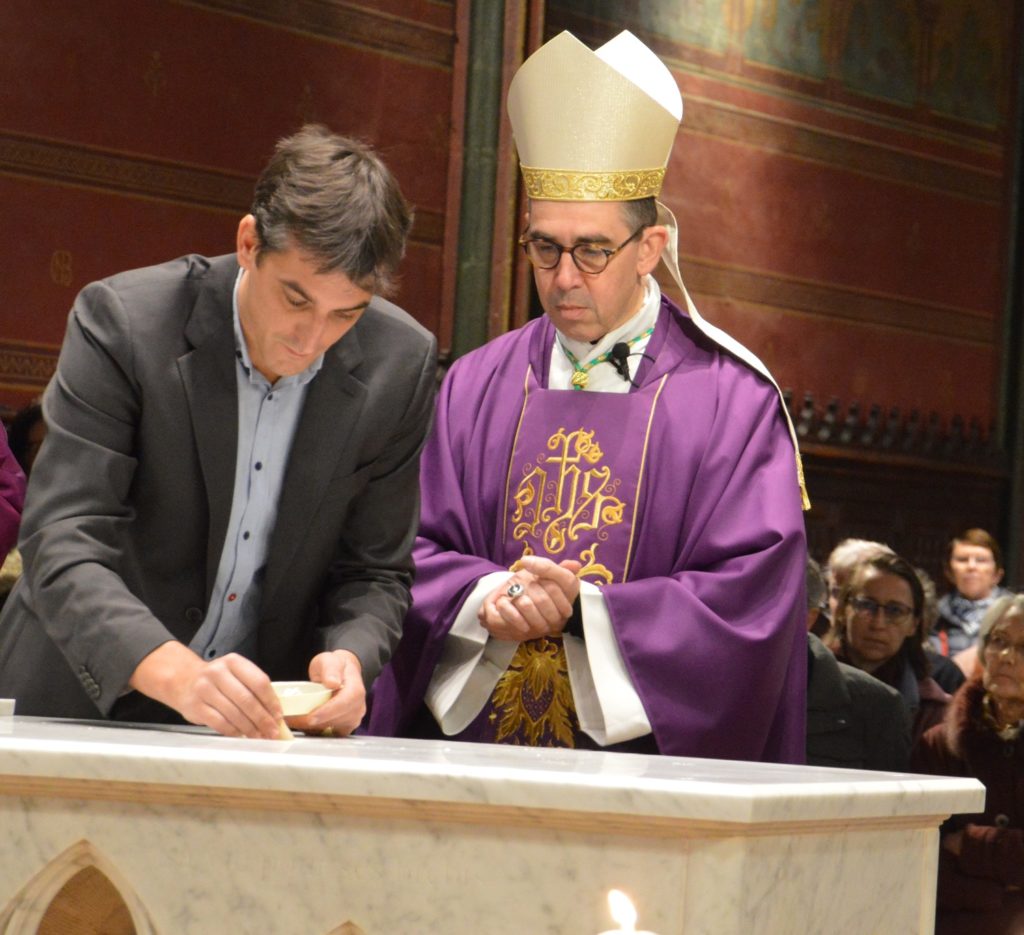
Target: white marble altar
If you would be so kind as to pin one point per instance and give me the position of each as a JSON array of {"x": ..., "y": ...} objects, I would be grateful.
[{"x": 204, "y": 834}]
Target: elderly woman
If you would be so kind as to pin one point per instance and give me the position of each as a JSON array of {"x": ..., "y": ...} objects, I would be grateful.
[
  {"x": 974, "y": 566},
  {"x": 981, "y": 859},
  {"x": 880, "y": 629}
]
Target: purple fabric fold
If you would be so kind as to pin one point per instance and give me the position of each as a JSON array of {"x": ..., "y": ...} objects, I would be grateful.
[{"x": 710, "y": 618}]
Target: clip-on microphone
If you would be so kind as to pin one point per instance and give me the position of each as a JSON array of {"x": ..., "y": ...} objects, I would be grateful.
[{"x": 618, "y": 356}]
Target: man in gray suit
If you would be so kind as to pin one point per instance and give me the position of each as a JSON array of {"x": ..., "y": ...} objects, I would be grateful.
[{"x": 227, "y": 493}]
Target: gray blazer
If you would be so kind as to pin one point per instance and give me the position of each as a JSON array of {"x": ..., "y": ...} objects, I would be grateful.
[{"x": 130, "y": 496}]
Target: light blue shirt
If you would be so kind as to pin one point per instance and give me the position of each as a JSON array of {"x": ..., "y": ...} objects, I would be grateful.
[{"x": 267, "y": 418}]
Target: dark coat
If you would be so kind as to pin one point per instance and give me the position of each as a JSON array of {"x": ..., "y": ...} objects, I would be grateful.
[
  {"x": 853, "y": 720},
  {"x": 980, "y": 890},
  {"x": 924, "y": 698},
  {"x": 131, "y": 493}
]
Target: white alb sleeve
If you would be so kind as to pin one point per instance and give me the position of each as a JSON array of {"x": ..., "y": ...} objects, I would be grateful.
[{"x": 607, "y": 704}]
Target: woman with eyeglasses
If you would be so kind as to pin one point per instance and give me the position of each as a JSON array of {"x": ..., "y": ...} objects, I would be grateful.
[
  {"x": 880, "y": 624},
  {"x": 981, "y": 858}
]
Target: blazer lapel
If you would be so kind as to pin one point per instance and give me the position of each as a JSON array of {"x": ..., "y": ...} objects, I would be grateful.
[
  {"x": 332, "y": 408},
  {"x": 208, "y": 376}
]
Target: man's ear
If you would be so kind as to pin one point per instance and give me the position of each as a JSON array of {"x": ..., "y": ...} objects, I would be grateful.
[
  {"x": 652, "y": 244},
  {"x": 247, "y": 242}
]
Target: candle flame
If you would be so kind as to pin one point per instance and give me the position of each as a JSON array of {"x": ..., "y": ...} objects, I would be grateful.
[{"x": 622, "y": 910}]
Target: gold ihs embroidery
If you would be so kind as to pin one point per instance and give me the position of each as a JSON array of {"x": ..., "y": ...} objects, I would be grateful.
[
  {"x": 534, "y": 697},
  {"x": 567, "y": 494}
]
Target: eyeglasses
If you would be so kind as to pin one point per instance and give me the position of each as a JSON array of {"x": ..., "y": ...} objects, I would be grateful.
[
  {"x": 998, "y": 645},
  {"x": 588, "y": 257},
  {"x": 893, "y": 613}
]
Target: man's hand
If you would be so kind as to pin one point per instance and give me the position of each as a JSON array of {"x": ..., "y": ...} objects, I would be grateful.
[
  {"x": 542, "y": 608},
  {"x": 231, "y": 694},
  {"x": 342, "y": 672},
  {"x": 953, "y": 842}
]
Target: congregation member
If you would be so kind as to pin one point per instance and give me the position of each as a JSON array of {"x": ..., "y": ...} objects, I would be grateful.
[
  {"x": 974, "y": 567},
  {"x": 944, "y": 670},
  {"x": 853, "y": 720},
  {"x": 611, "y": 551},
  {"x": 880, "y": 631},
  {"x": 227, "y": 492},
  {"x": 841, "y": 562},
  {"x": 25, "y": 435},
  {"x": 981, "y": 857},
  {"x": 12, "y": 495}
]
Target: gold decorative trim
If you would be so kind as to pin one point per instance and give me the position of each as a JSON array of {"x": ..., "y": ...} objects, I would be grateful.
[
  {"x": 26, "y": 367},
  {"x": 346, "y": 24},
  {"x": 559, "y": 185},
  {"x": 640, "y": 478},
  {"x": 74, "y": 164},
  {"x": 511, "y": 456},
  {"x": 144, "y": 795}
]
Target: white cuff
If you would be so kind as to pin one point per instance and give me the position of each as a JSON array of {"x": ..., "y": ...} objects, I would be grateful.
[
  {"x": 607, "y": 705},
  {"x": 470, "y": 665}
]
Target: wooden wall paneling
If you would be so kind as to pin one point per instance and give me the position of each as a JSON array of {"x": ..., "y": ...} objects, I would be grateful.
[
  {"x": 1011, "y": 386},
  {"x": 913, "y": 505}
]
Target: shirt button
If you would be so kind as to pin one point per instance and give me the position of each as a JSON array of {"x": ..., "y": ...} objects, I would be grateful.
[
  {"x": 245, "y": 535},
  {"x": 232, "y": 596},
  {"x": 210, "y": 653},
  {"x": 259, "y": 465},
  {"x": 270, "y": 396}
]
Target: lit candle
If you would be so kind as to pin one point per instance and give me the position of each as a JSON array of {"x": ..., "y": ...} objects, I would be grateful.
[{"x": 624, "y": 913}]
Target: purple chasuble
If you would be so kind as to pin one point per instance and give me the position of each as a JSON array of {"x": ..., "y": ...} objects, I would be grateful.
[
  {"x": 572, "y": 492},
  {"x": 702, "y": 576}
]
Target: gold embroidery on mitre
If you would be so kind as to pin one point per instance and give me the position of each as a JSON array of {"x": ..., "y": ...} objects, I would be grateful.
[
  {"x": 560, "y": 185},
  {"x": 534, "y": 697},
  {"x": 566, "y": 495}
]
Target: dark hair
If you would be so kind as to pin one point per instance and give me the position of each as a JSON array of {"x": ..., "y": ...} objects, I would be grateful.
[
  {"x": 978, "y": 537},
  {"x": 19, "y": 434},
  {"x": 333, "y": 198},
  {"x": 817, "y": 589},
  {"x": 913, "y": 646},
  {"x": 640, "y": 213}
]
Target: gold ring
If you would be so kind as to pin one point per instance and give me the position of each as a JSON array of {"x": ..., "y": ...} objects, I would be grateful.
[{"x": 327, "y": 732}]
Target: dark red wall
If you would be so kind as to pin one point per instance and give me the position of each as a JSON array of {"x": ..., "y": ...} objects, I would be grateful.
[
  {"x": 131, "y": 132},
  {"x": 842, "y": 183}
]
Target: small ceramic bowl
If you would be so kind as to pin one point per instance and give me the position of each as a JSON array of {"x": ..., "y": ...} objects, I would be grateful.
[{"x": 300, "y": 697}]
